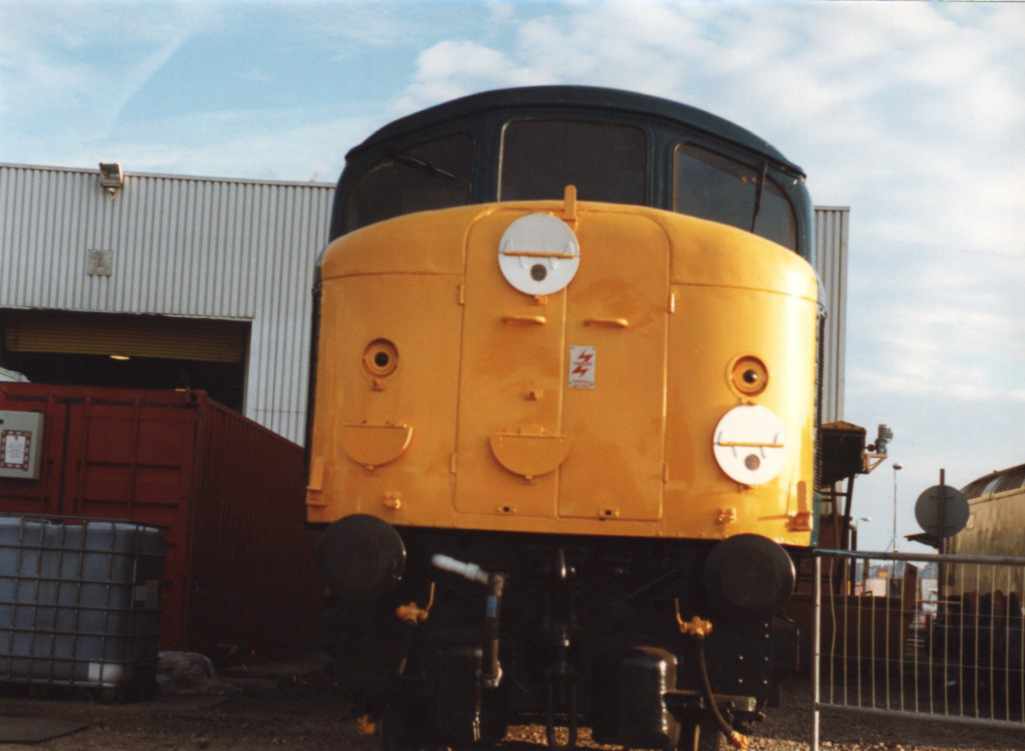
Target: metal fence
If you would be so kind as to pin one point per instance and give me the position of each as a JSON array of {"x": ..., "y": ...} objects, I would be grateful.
[{"x": 935, "y": 637}]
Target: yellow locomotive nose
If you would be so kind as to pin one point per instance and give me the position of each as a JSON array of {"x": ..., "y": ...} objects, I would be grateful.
[{"x": 614, "y": 394}]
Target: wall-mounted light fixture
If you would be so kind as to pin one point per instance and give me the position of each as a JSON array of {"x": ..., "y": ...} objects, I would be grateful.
[
  {"x": 884, "y": 435},
  {"x": 112, "y": 177},
  {"x": 120, "y": 358}
]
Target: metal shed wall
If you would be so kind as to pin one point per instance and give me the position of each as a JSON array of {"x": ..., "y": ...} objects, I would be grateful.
[
  {"x": 181, "y": 246},
  {"x": 831, "y": 242}
]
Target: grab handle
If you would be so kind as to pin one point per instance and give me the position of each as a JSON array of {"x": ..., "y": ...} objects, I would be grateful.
[
  {"x": 533, "y": 320},
  {"x": 616, "y": 323}
]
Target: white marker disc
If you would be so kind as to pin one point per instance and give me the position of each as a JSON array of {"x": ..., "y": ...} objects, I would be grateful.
[
  {"x": 748, "y": 444},
  {"x": 539, "y": 254}
]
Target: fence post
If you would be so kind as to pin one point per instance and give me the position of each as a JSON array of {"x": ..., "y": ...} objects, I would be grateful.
[{"x": 816, "y": 640}]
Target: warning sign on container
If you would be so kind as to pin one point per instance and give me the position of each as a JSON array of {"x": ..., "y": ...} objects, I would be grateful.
[
  {"x": 581, "y": 367},
  {"x": 14, "y": 445}
]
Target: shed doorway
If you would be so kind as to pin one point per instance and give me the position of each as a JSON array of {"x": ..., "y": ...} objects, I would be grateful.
[{"x": 125, "y": 351}]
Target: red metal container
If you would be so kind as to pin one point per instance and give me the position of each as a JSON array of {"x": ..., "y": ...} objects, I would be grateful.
[{"x": 240, "y": 575}]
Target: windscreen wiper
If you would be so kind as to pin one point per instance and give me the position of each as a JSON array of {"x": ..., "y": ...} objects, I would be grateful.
[
  {"x": 415, "y": 161},
  {"x": 758, "y": 197}
]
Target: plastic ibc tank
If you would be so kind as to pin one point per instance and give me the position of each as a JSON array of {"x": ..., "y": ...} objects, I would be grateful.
[{"x": 79, "y": 603}]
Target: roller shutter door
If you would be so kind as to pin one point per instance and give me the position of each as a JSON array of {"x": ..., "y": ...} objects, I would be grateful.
[{"x": 199, "y": 339}]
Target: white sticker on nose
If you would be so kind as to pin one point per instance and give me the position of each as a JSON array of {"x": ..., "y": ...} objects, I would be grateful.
[
  {"x": 538, "y": 254},
  {"x": 583, "y": 363}
]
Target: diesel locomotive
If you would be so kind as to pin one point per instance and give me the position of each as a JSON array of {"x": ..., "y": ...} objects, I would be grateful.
[
  {"x": 563, "y": 430},
  {"x": 980, "y": 623}
]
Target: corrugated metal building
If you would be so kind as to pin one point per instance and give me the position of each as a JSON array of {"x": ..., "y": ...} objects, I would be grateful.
[
  {"x": 239, "y": 253},
  {"x": 168, "y": 280},
  {"x": 831, "y": 241}
]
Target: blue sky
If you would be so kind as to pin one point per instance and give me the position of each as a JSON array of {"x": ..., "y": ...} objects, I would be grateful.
[{"x": 913, "y": 114}]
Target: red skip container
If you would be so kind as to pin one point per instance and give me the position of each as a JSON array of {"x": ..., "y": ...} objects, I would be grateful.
[{"x": 240, "y": 576}]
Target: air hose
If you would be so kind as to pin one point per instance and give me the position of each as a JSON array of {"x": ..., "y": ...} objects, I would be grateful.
[
  {"x": 699, "y": 628},
  {"x": 736, "y": 739}
]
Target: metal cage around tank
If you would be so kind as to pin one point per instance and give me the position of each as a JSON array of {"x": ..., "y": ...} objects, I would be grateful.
[{"x": 80, "y": 603}]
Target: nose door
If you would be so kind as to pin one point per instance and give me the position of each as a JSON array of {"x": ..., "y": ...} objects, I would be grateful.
[
  {"x": 562, "y": 395},
  {"x": 614, "y": 403},
  {"x": 510, "y": 439}
]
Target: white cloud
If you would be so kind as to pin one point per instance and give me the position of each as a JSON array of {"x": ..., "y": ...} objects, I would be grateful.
[
  {"x": 501, "y": 12},
  {"x": 953, "y": 331},
  {"x": 447, "y": 59},
  {"x": 454, "y": 68}
]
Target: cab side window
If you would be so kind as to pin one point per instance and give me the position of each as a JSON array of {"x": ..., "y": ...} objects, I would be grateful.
[
  {"x": 711, "y": 186},
  {"x": 974, "y": 488},
  {"x": 1011, "y": 480},
  {"x": 432, "y": 175}
]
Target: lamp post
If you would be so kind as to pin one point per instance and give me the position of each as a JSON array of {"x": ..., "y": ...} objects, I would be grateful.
[
  {"x": 862, "y": 565},
  {"x": 893, "y": 541}
]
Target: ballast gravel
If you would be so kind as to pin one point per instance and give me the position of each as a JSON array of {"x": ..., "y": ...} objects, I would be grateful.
[{"x": 305, "y": 712}]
